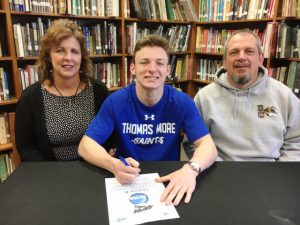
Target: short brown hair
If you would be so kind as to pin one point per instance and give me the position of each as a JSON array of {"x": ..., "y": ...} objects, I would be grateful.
[
  {"x": 58, "y": 31},
  {"x": 243, "y": 32},
  {"x": 152, "y": 40}
]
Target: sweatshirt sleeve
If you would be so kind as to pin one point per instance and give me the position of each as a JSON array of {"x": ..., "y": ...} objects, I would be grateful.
[{"x": 290, "y": 150}]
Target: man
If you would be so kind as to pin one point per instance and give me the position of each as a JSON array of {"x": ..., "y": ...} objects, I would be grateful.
[
  {"x": 147, "y": 118},
  {"x": 250, "y": 116}
]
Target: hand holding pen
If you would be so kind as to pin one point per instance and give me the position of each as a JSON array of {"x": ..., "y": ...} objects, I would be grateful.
[{"x": 127, "y": 170}]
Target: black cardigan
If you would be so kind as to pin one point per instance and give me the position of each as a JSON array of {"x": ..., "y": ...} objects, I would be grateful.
[{"x": 32, "y": 140}]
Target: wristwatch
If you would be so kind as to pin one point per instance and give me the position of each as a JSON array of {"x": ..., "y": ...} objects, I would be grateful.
[{"x": 194, "y": 166}]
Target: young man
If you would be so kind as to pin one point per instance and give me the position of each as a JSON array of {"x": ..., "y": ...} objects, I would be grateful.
[
  {"x": 147, "y": 118},
  {"x": 250, "y": 116}
]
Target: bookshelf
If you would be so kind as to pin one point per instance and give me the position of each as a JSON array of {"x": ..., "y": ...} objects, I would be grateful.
[{"x": 124, "y": 20}]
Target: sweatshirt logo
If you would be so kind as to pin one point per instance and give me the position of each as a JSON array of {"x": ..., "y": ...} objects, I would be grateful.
[
  {"x": 148, "y": 117},
  {"x": 270, "y": 111}
]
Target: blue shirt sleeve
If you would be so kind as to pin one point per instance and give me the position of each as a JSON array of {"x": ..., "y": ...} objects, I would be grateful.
[{"x": 193, "y": 125}]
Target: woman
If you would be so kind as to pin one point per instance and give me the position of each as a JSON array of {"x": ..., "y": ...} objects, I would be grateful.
[{"x": 52, "y": 115}]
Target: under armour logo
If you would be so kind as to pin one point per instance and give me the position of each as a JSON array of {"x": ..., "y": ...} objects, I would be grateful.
[
  {"x": 147, "y": 117},
  {"x": 270, "y": 111}
]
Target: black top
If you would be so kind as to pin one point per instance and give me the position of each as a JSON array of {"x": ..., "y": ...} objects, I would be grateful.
[
  {"x": 32, "y": 140},
  {"x": 228, "y": 193}
]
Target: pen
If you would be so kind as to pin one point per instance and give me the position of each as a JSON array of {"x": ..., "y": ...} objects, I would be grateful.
[{"x": 124, "y": 161}]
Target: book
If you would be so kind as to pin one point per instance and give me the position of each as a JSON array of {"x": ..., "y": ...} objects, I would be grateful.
[
  {"x": 169, "y": 9},
  {"x": 296, "y": 87},
  {"x": 3, "y": 171},
  {"x": 62, "y": 6},
  {"x": 173, "y": 66},
  {"x": 178, "y": 69},
  {"x": 1, "y": 54},
  {"x": 6, "y": 85},
  {"x": 188, "y": 10},
  {"x": 3, "y": 133},
  {"x": 18, "y": 40},
  {"x": 291, "y": 75},
  {"x": 184, "y": 68},
  {"x": 295, "y": 42},
  {"x": 7, "y": 127}
]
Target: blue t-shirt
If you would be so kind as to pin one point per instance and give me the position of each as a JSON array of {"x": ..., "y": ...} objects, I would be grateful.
[{"x": 147, "y": 133}]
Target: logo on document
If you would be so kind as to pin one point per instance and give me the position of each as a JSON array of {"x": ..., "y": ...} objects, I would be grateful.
[{"x": 139, "y": 201}]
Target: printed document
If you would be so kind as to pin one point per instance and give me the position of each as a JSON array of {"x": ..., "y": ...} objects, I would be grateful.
[{"x": 138, "y": 202}]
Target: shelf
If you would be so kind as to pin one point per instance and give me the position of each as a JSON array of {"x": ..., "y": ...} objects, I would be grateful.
[
  {"x": 209, "y": 53},
  {"x": 112, "y": 89},
  {"x": 27, "y": 58},
  {"x": 202, "y": 81},
  {"x": 4, "y": 147},
  {"x": 210, "y": 23},
  {"x": 139, "y": 20},
  {"x": 5, "y": 58},
  {"x": 69, "y": 16},
  {"x": 33, "y": 58},
  {"x": 286, "y": 59},
  {"x": 105, "y": 56},
  {"x": 9, "y": 102},
  {"x": 176, "y": 82},
  {"x": 292, "y": 18}
]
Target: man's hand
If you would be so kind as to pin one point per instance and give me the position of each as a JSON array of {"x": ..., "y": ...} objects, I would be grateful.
[
  {"x": 126, "y": 174},
  {"x": 181, "y": 182}
]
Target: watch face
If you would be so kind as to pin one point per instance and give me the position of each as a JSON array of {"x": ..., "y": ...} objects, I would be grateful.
[{"x": 195, "y": 166}]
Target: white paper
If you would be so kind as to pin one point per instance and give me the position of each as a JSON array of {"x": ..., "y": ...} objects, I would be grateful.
[{"x": 138, "y": 202}]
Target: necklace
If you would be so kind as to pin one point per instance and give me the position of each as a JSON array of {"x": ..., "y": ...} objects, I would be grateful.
[{"x": 70, "y": 109}]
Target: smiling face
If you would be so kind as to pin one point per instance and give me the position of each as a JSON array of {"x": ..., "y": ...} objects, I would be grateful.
[
  {"x": 242, "y": 60},
  {"x": 66, "y": 59},
  {"x": 150, "y": 67}
]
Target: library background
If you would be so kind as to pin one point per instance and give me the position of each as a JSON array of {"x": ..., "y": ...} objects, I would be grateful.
[{"x": 196, "y": 30}]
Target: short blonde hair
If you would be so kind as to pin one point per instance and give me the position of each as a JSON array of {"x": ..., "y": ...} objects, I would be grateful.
[{"x": 152, "y": 40}]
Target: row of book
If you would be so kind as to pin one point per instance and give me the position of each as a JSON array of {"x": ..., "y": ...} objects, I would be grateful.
[
  {"x": 108, "y": 73},
  {"x": 180, "y": 68},
  {"x": 6, "y": 165},
  {"x": 178, "y": 35},
  {"x": 220, "y": 10},
  {"x": 27, "y": 36},
  {"x": 174, "y": 10},
  {"x": 213, "y": 40},
  {"x": 290, "y": 8},
  {"x": 207, "y": 68},
  {"x": 289, "y": 75},
  {"x": 288, "y": 40},
  {"x": 101, "y": 38},
  {"x": 277, "y": 40},
  {"x": 4, "y": 85},
  {"x": 28, "y": 76},
  {"x": 71, "y": 7}
]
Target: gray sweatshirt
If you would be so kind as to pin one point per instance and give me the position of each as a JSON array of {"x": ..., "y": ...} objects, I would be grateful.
[{"x": 261, "y": 123}]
